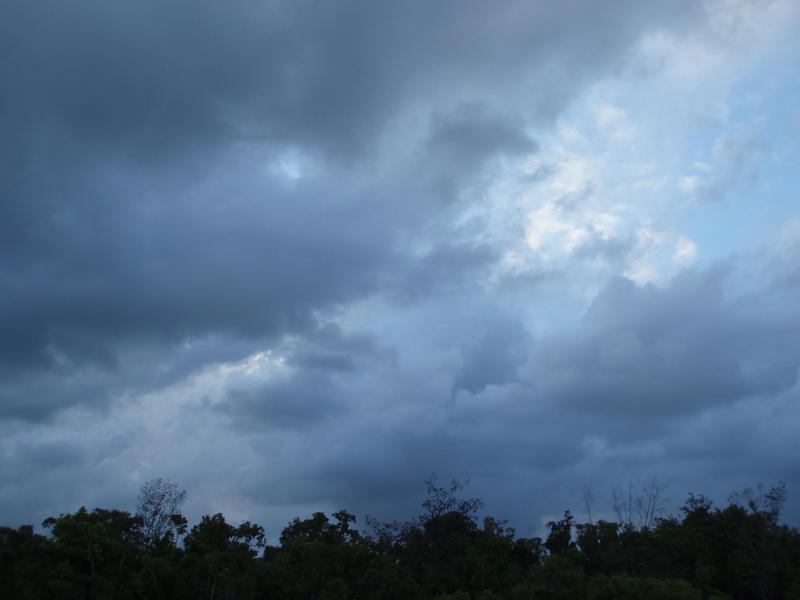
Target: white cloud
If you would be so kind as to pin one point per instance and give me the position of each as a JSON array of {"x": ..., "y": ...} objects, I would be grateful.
[{"x": 685, "y": 252}]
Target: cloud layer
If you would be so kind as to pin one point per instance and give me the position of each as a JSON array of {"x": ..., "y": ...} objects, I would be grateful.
[{"x": 298, "y": 257}]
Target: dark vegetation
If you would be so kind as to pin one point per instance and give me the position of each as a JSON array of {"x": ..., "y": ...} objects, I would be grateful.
[{"x": 737, "y": 552}]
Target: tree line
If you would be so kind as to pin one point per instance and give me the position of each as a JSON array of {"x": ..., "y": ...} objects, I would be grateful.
[{"x": 738, "y": 552}]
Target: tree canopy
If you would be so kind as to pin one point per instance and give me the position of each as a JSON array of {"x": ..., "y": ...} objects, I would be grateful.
[{"x": 447, "y": 552}]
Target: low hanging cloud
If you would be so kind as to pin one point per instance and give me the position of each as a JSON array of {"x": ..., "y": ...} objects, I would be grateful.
[
  {"x": 667, "y": 351},
  {"x": 491, "y": 356},
  {"x": 461, "y": 143}
]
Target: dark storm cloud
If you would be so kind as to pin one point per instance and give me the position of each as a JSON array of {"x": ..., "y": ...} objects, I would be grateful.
[
  {"x": 462, "y": 143},
  {"x": 496, "y": 348},
  {"x": 32, "y": 397},
  {"x": 44, "y": 455},
  {"x": 675, "y": 350},
  {"x": 174, "y": 270},
  {"x": 328, "y": 349},
  {"x": 34, "y": 394},
  {"x": 463, "y": 140},
  {"x": 125, "y": 214},
  {"x": 151, "y": 80},
  {"x": 470, "y": 134},
  {"x": 154, "y": 76},
  {"x": 446, "y": 268},
  {"x": 309, "y": 385},
  {"x": 148, "y": 232},
  {"x": 293, "y": 404},
  {"x": 383, "y": 470}
]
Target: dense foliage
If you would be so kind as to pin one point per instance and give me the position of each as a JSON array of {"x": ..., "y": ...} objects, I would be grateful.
[{"x": 737, "y": 552}]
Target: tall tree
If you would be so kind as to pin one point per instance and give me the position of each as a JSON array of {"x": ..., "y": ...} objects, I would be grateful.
[{"x": 159, "y": 506}]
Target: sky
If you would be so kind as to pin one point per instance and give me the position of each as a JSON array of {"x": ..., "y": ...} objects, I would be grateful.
[{"x": 300, "y": 256}]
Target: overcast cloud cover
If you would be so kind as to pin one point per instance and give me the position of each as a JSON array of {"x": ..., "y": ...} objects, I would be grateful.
[{"x": 298, "y": 256}]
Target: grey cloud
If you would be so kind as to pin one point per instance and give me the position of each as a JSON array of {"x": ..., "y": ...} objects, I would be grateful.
[
  {"x": 525, "y": 465},
  {"x": 599, "y": 245},
  {"x": 462, "y": 144},
  {"x": 541, "y": 444},
  {"x": 329, "y": 349},
  {"x": 572, "y": 200},
  {"x": 326, "y": 361},
  {"x": 495, "y": 349},
  {"x": 383, "y": 471},
  {"x": 153, "y": 77},
  {"x": 35, "y": 398},
  {"x": 145, "y": 234},
  {"x": 312, "y": 384},
  {"x": 160, "y": 91},
  {"x": 296, "y": 404},
  {"x": 542, "y": 172},
  {"x": 470, "y": 134},
  {"x": 35, "y": 393},
  {"x": 734, "y": 154},
  {"x": 738, "y": 149},
  {"x": 45, "y": 455},
  {"x": 29, "y": 466},
  {"x": 710, "y": 190},
  {"x": 45, "y": 475},
  {"x": 667, "y": 351},
  {"x": 168, "y": 271},
  {"x": 128, "y": 213},
  {"x": 447, "y": 268}
]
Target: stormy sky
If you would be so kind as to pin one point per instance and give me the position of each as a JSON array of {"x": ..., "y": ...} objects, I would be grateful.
[{"x": 299, "y": 256}]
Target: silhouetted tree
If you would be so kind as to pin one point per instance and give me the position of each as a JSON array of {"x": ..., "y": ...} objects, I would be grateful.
[{"x": 159, "y": 506}]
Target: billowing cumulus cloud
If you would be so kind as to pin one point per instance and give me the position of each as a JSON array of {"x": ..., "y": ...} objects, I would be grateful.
[
  {"x": 678, "y": 349},
  {"x": 298, "y": 256}
]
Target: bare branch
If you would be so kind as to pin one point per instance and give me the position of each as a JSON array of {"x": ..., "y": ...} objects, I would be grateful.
[
  {"x": 647, "y": 505},
  {"x": 587, "y": 502}
]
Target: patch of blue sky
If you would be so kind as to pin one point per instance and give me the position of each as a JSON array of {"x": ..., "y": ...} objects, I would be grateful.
[{"x": 758, "y": 195}]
